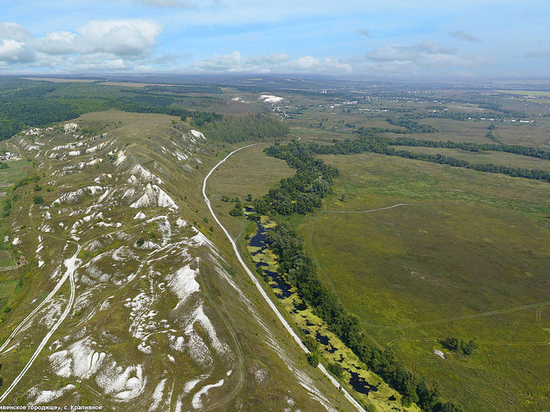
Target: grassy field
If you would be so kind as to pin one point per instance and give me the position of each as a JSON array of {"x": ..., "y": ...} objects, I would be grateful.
[
  {"x": 7, "y": 288},
  {"x": 462, "y": 254},
  {"x": 465, "y": 255},
  {"x": 248, "y": 171},
  {"x": 525, "y": 93},
  {"x": 537, "y": 134},
  {"x": 17, "y": 170},
  {"x": 6, "y": 259}
]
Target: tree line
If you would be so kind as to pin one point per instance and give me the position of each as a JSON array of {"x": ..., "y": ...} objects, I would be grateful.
[
  {"x": 411, "y": 125},
  {"x": 539, "y": 152},
  {"x": 374, "y": 143}
]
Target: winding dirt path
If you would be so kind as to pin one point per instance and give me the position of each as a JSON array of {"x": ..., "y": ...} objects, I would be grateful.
[{"x": 256, "y": 282}]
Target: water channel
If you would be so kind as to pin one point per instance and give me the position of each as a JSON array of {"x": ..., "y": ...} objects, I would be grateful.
[{"x": 284, "y": 290}]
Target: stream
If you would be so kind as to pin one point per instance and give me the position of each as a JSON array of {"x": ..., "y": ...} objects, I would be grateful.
[{"x": 283, "y": 290}]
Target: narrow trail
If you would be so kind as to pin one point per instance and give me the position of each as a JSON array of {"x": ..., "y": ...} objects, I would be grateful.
[
  {"x": 378, "y": 209},
  {"x": 256, "y": 282},
  {"x": 71, "y": 265},
  {"x": 40, "y": 306}
]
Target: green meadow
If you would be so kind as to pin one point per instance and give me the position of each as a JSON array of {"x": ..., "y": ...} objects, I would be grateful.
[{"x": 422, "y": 252}]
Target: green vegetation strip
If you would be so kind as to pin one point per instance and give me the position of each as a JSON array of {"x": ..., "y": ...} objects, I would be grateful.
[{"x": 369, "y": 142}]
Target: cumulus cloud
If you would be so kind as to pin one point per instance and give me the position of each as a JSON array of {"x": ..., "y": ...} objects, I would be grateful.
[
  {"x": 270, "y": 63},
  {"x": 112, "y": 44},
  {"x": 13, "y": 44},
  {"x": 13, "y": 31},
  {"x": 124, "y": 38},
  {"x": 427, "y": 54},
  {"x": 417, "y": 60},
  {"x": 463, "y": 36},
  {"x": 418, "y": 52}
]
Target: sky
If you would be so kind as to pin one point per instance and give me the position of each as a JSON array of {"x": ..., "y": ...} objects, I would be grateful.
[{"x": 364, "y": 39}]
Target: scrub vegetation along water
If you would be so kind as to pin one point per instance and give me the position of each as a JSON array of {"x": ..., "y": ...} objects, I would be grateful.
[{"x": 405, "y": 244}]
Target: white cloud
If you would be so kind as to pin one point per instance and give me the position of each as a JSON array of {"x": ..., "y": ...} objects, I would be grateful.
[
  {"x": 125, "y": 38},
  {"x": 270, "y": 63},
  {"x": 13, "y": 31},
  {"x": 427, "y": 54},
  {"x": 14, "y": 44},
  {"x": 13, "y": 51},
  {"x": 105, "y": 44},
  {"x": 58, "y": 43}
]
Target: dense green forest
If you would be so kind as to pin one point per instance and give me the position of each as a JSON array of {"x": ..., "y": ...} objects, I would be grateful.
[
  {"x": 26, "y": 103},
  {"x": 242, "y": 128}
]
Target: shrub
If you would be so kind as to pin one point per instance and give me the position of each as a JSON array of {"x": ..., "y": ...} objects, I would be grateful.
[
  {"x": 236, "y": 212},
  {"x": 314, "y": 359},
  {"x": 336, "y": 369},
  {"x": 311, "y": 343},
  {"x": 38, "y": 200}
]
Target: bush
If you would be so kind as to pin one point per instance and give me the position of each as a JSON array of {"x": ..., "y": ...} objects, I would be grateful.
[
  {"x": 336, "y": 369},
  {"x": 38, "y": 200},
  {"x": 236, "y": 212},
  {"x": 311, "y": 343},
  {"x": 314, "y": 359}
]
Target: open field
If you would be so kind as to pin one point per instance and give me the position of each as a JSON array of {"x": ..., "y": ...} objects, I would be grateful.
[
  {"x": 463, "y": 255},
  {"x": 249, "y": 171},
  {"x": 17, "y": 170},
  {"x": 525, "y": 93},
  {"x": 537, "y": 134},
  {"x": 7, "y": 288},
  {"x": 6, "y": 259}
]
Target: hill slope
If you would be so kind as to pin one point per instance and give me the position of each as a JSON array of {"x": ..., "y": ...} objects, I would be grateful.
[{"x": 129, "y": 297}]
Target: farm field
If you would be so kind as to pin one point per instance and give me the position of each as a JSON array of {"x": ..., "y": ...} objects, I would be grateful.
[{"x": 460, "y": 254}]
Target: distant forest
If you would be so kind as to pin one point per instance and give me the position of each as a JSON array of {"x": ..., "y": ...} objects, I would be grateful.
[
  {"x": 27, "y": 103},
  {"x": 240, "y": 129}
]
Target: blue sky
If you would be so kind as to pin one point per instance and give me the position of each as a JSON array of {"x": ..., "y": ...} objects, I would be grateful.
[{"x": 346, "y": 38}]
